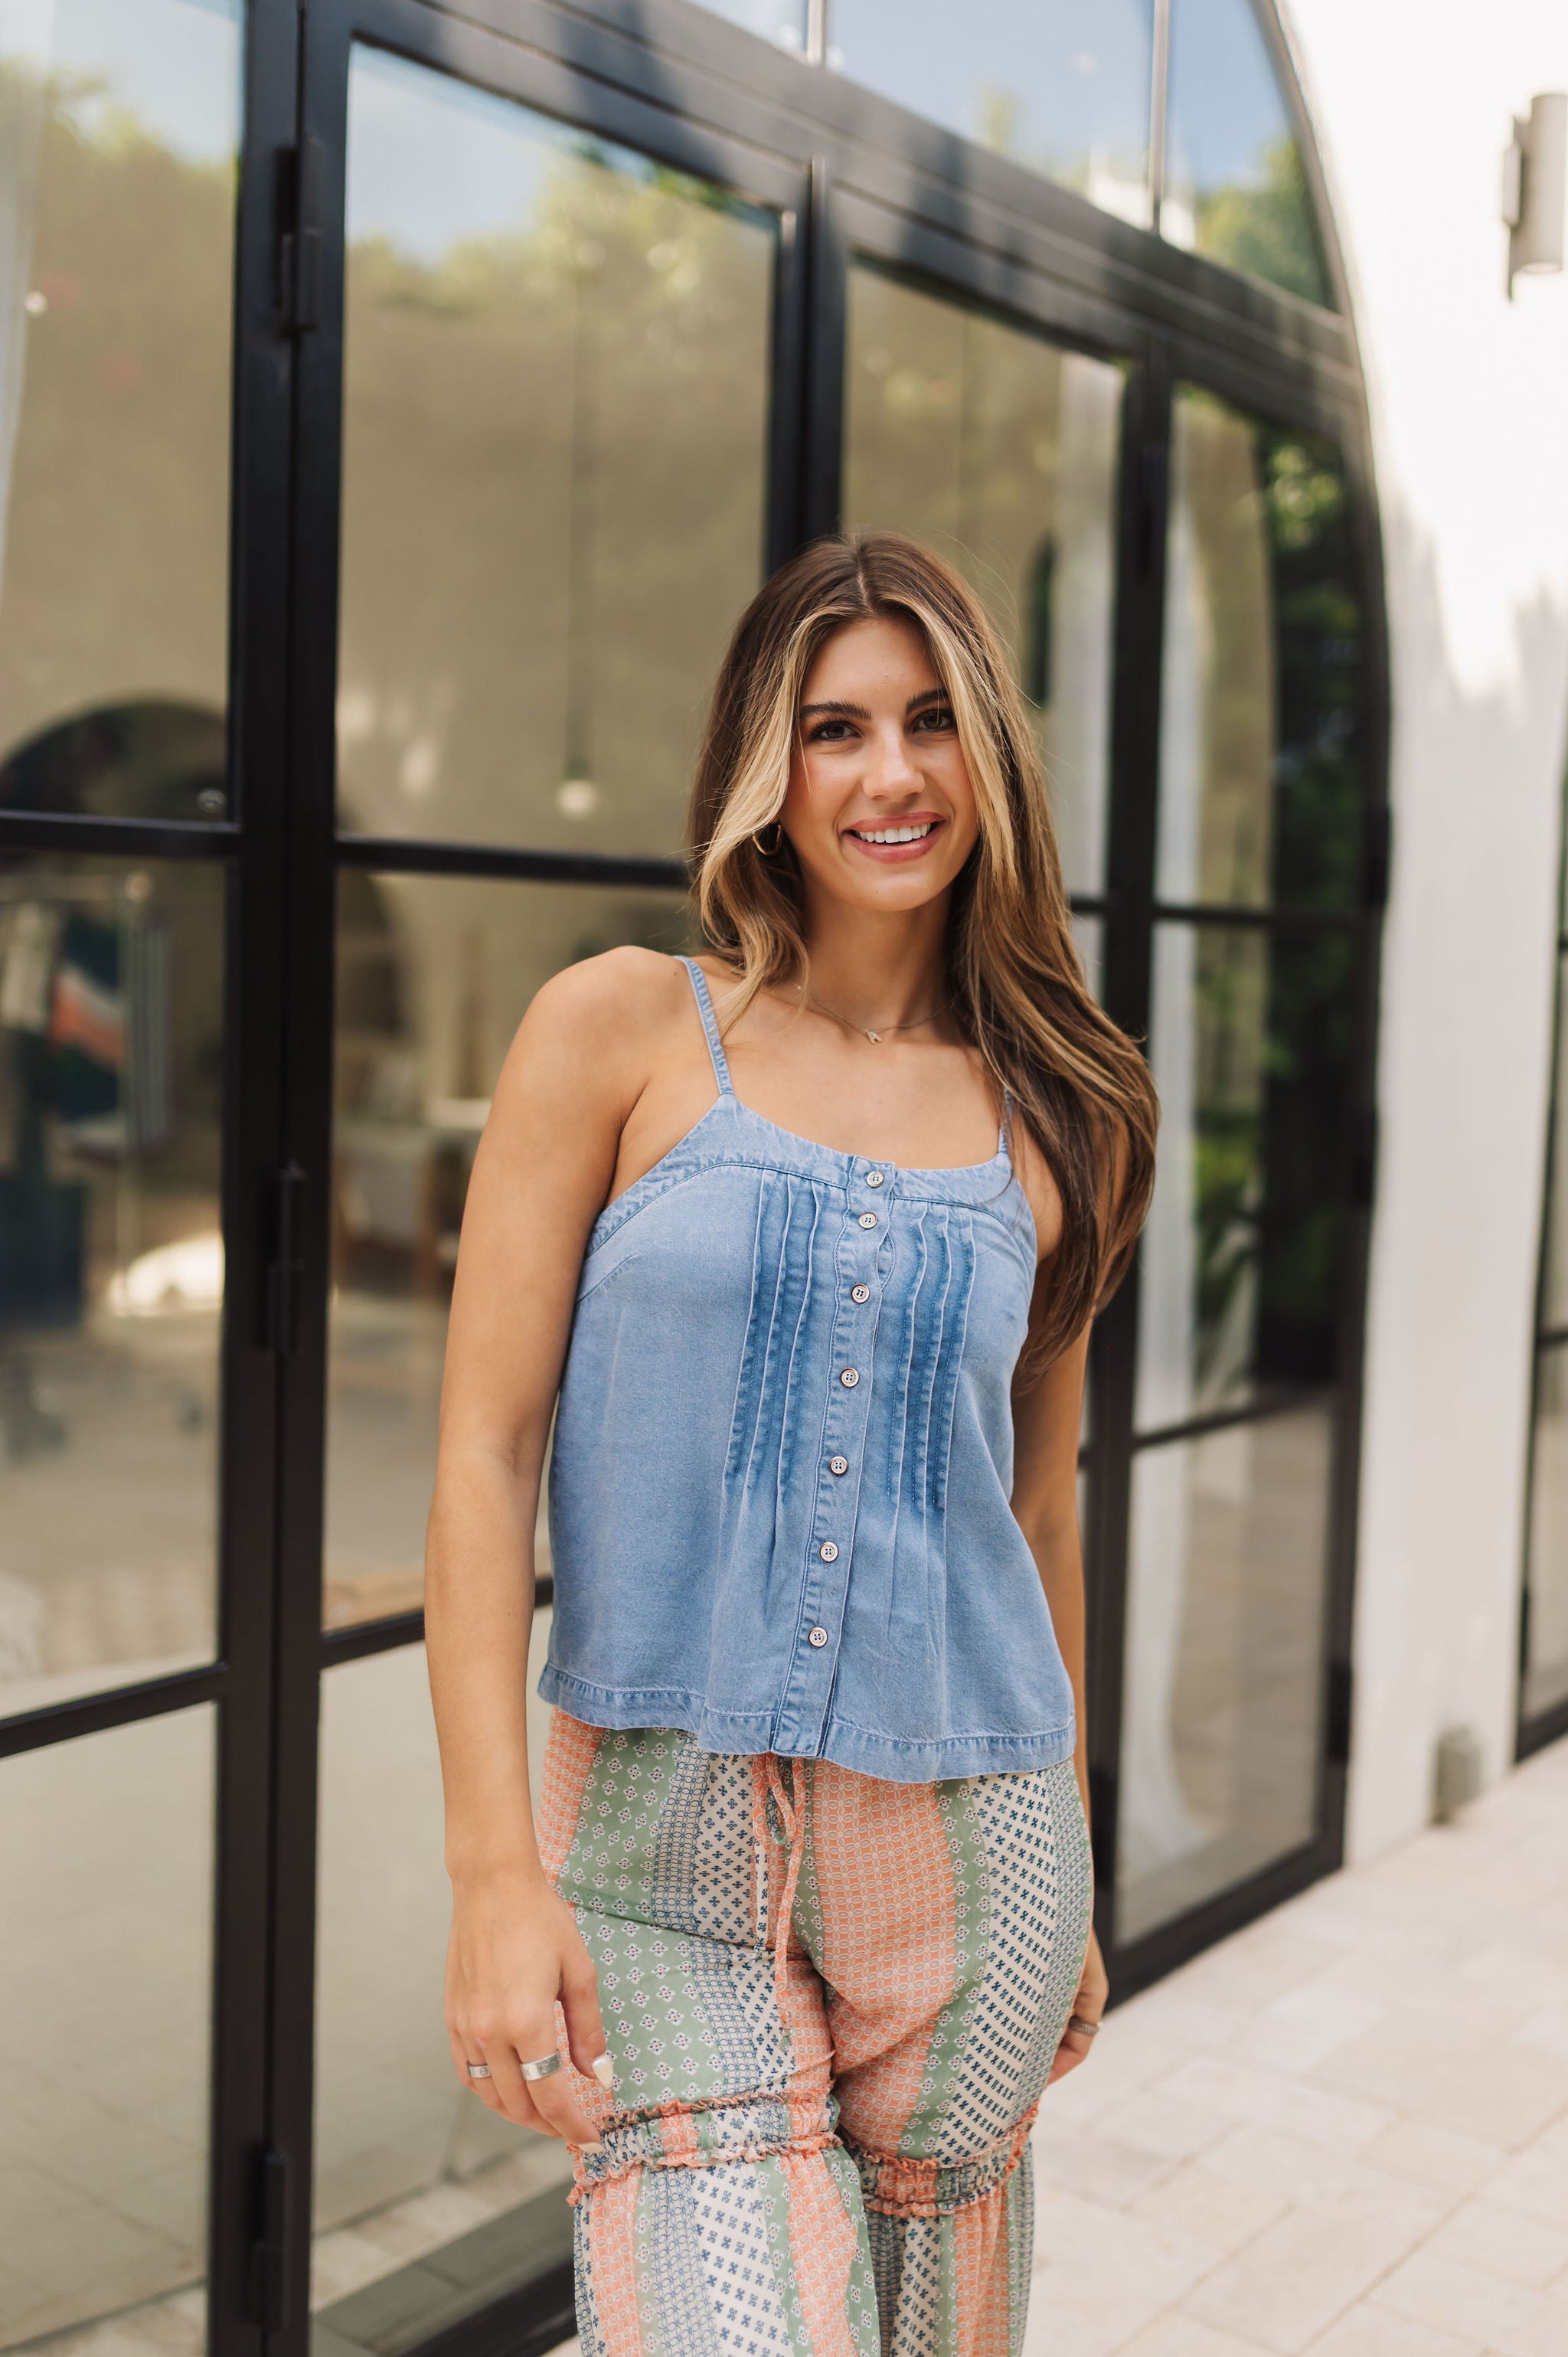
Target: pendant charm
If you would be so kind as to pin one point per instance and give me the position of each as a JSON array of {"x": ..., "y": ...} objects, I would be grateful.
[{"x": 874, "y": 1038}]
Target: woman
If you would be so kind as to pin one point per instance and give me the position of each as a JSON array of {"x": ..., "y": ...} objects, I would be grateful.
[{"x": 804, "y": 1236}]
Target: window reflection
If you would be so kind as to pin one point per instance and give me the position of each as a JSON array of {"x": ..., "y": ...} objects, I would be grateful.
[
  {"x": 434, "y": 975},
  {"x": 1260, "y": 771},
  {"x": 1234, "y": 187},
  {"x": 1221, "y": 1708},
  {"x": 106, "y": 1898},
  {"x": 119, "y": 121},
  {"x": 1061, "y": 85},
  {"x": 783, "y": 21},
  {"x": 556, "y": 402},
  {"x": 1248, "y": 1045},
  {"x": 426, "y": 2205},
  {"x": 999, "y": 449},
  {"x": 111, "y": 1270}
]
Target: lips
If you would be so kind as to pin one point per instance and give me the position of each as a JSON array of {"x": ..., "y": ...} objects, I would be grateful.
[{"x": 895, "y": 840}]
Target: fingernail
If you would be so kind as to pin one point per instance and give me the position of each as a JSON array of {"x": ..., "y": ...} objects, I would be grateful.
[
  {"x": 591, "y": 2147},
  {"x": 604, "y": 2070}
]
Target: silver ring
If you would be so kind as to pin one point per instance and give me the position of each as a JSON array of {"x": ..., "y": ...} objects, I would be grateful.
[
  {"x": 544, "y": 2068},
  {"x": 1084, "y": 2029},
  {"x": 478, "y": 2069}
]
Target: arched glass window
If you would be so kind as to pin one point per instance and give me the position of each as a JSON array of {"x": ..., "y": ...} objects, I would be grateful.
[
  {"x": 1061, "y": 85},
  {"x": 1234, "y": 187}
]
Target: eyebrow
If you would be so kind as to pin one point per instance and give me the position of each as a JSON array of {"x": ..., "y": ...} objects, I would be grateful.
[{"x": 859, "y": 712}]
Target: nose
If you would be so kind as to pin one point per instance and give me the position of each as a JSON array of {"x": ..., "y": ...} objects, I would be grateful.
[{"x": 889, "y": 771}]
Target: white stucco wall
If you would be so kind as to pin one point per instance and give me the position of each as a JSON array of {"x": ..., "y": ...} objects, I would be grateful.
[{"x": 1469, "y": 405}]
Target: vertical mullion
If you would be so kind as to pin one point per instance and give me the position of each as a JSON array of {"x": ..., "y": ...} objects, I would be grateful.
[
  {"x": 786, "y": 404},
  {"x": 1134, "y": 785},
  {"x": 306, "y": 919},
  {"x": 243, "y": 1892},
  {"x": 828, "y": 294}
]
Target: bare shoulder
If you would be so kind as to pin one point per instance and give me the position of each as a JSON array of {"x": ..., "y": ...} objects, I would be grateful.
[{"x": 626, "y": 988}]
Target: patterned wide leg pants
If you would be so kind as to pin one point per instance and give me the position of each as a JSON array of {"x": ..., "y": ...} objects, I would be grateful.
[{"x": 832, "y": 2004}]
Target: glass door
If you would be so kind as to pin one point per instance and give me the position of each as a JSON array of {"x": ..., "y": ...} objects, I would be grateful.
[
  {"x": 543, "y": 431},
  {"x": 138, "y": 804}
]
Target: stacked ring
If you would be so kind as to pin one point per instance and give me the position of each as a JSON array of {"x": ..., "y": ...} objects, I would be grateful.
[
  {"x": 545, "y": 2068},
  {"x": 478, "y": 2069}
]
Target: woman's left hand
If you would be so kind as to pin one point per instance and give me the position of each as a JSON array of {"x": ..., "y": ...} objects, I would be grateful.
[{"x": 1094, "y": 1988}]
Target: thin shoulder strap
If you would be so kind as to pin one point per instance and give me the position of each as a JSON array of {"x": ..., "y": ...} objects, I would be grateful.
[
  {"x": 710, "y": 1025},
  {"x": 1004, "y": 1142}
]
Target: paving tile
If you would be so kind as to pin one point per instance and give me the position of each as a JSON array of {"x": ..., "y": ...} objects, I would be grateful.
[
  {"x": 1075, "y": 2311},
  {"x": 1241, "y": 2092},
  {"x": 1378, "y": 2332},
  {"x": 1430, "y": 2062},
  {"x": 1175, "y": 2335},
  {"x": 1293, "y": 2280},
  {"x": 1438, "y": 2156},
  {"x": 1102, "y": 2167},
  {"x": 1503, "y": 2317},
  {"x": 1504, "y": 2243},
  {"x": 1137, "y": 2255},
  {"x": 1223, "y": 2210}
]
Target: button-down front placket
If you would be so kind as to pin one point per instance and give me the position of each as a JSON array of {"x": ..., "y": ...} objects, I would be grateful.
[{"x": 808, "y": 1689}]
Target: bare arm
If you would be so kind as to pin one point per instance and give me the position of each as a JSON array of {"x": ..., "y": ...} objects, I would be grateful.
[
  {"x": 543, "y": 1169},
  {"x": 1046, "y": 1420}
]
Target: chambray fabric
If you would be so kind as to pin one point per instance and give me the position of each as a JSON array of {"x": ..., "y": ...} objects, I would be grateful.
[{"x": 702, "y": 1408}]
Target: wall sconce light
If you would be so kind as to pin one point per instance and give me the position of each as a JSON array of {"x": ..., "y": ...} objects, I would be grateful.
[{"x": 1535, "y": 185}]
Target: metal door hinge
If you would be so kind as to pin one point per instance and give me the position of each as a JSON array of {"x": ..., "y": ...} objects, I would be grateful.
[
  {"x": 280, "y": 1314},
  {"x": 299, "y": 241},
  {"x": 270, "y": 2245}
]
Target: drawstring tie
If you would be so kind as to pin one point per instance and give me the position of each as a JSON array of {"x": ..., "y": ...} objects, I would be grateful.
[{"x": 766, "y": 1778}]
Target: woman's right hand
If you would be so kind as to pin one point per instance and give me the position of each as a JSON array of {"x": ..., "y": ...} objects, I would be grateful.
[{"x": 516, "y": 1953}]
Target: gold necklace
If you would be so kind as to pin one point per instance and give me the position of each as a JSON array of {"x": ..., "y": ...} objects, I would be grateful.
[{"x": 876, "y": 1038}]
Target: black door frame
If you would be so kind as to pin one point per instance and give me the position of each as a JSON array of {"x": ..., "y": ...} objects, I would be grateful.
[{"x": 848, "y": 173}]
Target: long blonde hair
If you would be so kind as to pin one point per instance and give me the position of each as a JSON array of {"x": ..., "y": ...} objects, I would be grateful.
[{"x": 1015, "y": 985}]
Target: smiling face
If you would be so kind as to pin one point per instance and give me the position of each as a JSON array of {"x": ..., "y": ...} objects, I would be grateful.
[{"x": 880, "y": 811}]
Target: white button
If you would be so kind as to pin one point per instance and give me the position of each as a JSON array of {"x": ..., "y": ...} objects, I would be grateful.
[
  {"x": 818, "y": 1637},
  {"x": 860, "y": 1293},
  {"x": 868, "y": 1219},
  {"x": 875, "y": 1178},
  {"x": 838, "y": 1465},
  {"x": 828, "y": 1551},
  {"x": 849, "y": 1379}
]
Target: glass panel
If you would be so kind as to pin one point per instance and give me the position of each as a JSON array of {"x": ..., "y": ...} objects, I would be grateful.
[
  {"x": 999, "y": 449},
  {"x": 1260, "y": 708},
  {"x": 1554, "y": 1272},
  {"x": 556, "y": 428},
  {"x": 1248, "y": 1045},
  {"x": 1061, "y": 85},
  {"x": 783, "y": 21},
  {"x": 1221, "y": 1708},
  {"x": 119, "y": 122},
  {"x": 1234, "y": 186},
  {"x": 106, "y": 1897},
  {"x": 434, "y": 976},
  {"x": 1546, "y": 1663},
  {"x": 427, "y": 2206},
  {"x": 111, "y": 1270}
]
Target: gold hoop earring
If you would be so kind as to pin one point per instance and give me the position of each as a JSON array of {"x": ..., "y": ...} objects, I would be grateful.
[{"x": 768, "y": 849}]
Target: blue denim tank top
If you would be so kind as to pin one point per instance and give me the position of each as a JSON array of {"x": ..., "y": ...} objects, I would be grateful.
[{"x": 783, "y": 1457}]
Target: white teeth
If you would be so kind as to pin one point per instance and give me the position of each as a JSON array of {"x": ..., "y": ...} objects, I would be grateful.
[{"x": 894, "y": 833}]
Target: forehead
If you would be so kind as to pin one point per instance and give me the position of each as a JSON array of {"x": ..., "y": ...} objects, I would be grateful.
[{"x": 862, "y": 661}]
